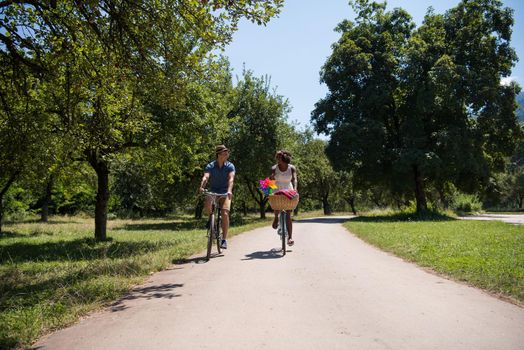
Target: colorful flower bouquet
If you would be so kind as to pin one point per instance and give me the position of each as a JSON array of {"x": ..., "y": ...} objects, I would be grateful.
[{"x": 267, "y": 186}]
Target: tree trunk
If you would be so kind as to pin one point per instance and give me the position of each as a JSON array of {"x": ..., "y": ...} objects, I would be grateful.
[
  {"x": 102, "y": 195},
  {"x": 261, "y": 200},
  {"x": 1, "y": 213},
  {"x": 443, "y": 199},
  {"x": 262, "y": 206},
  {"x": 102, "y": 198},
  {"x": 326, "y": 206},
  {"x": 351, "y": 201},
  {"x": 376, "y": 202},
  {"x": 420, "y": 195},
  {"x": 244, "y": 208},
  {"x": 44, "y": 215},
  {"x": 199, "y": 208},
  {"x": 3, "y": 191}
]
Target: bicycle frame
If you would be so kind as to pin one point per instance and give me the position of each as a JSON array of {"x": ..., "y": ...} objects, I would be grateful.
[
  {"x": 215, "y": 218},
  {"x": 282, "y": 229}
]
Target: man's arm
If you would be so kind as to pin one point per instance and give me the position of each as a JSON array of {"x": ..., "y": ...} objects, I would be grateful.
[
  {"x": 230, "y": 181},
  {"x": 203, "y": 182}
]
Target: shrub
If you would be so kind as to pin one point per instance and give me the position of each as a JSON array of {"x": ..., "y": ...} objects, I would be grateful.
[
  {"x": 17, "y": 203},
  {"x": 465, "y": 203},
  {"x": 236, "y": 218}
]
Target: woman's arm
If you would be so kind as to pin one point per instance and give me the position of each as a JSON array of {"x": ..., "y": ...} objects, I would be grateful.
[
  {"x": 272, "y": 176},
  {"x": 294, "y": 177}
]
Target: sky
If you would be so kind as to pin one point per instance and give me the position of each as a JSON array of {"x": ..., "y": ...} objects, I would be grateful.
[{"x": 292, "y": 48}]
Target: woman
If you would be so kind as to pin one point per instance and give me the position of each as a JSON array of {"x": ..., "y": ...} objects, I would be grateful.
[{"x": 285, "y": 175}]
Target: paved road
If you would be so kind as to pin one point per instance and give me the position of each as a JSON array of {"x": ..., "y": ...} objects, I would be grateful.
[
  {"x": 331, "y": 291},
  {"x": 517, "y": 219}
]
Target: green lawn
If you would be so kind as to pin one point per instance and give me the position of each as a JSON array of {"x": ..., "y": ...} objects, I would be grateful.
[
  {"x": 486, "y": 254},
  {"x": 51, "y": 274}
]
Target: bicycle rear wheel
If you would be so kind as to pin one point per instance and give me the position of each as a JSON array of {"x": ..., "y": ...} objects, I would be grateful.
[
  {"x": 283, "y": 227},
  {"x": 210, "y": 235}
]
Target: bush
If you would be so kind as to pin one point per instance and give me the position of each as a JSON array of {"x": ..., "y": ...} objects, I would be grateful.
[
  {"x": 236, "y": 218},
  {"x": 17, "y": 204},
  {"x": 465, "y": 203},
  {"x": 82, "y": 199}
]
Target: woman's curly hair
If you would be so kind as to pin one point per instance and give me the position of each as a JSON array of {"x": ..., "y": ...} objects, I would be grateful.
[{"x": 285, "y": 155}]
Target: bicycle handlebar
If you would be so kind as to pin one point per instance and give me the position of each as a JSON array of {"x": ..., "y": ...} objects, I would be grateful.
[{"x": 214, "y": 194}]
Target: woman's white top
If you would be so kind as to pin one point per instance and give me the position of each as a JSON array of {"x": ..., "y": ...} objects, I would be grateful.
[{"x": 283, "y": 178}]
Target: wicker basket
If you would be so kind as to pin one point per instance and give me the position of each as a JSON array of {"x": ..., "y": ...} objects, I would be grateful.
[{"x": 281, "y": 202}]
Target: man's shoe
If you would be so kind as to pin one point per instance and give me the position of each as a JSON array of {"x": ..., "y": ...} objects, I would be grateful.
[{"x": 223, "y": 244}]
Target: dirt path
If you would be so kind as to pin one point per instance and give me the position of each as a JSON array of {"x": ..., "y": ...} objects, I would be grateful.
[{"x": 331, "y": 291}]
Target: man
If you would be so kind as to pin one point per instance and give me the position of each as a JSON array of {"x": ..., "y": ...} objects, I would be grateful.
[{"x": 221, "y": 175}]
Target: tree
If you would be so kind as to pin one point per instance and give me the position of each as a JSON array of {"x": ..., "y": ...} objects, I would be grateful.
[
  {"x": 412, "y": 108},
  {"x": 516, "y": 176},
  {"x": 347, "y": 189},
  {"x": 108, "y": 53},
  {"x": 255, "y": 114},
  {"x": 23, "y": 127},
  {"x": 318, "y": 180}
]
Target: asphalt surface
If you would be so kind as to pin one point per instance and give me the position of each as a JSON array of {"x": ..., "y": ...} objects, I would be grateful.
[
  {"x": 517, "y": 219},
  {"x": 330, "y": 291}
]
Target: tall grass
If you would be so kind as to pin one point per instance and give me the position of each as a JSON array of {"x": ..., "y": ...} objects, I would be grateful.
[{"x": 51, "y": 274}]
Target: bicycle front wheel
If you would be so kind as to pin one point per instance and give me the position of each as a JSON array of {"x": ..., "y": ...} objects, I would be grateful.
[
  {"x": 210, "y": 235},
  {"x": 283, "y": 227}
]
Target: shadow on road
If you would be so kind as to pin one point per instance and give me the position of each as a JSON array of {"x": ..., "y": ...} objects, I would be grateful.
[
  {"x": 80, "y": 249},
  {"x": 197, "y": 260},
  {"x": 269, "y": 254},
  {"x": 405, "y": 217},
  {"x": 150, "y": 292},
  {"x": 324, "y": 220},
  {"x": 163, "y": 226}
]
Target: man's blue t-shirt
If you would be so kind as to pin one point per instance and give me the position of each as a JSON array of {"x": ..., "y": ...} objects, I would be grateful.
[{"x": 218, "y": 176}]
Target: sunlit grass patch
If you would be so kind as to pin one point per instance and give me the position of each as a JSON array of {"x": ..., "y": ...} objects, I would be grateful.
[{"x": 486, "y": 254}]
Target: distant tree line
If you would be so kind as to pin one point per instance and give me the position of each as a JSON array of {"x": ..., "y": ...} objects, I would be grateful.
[
  {"x": 114, "y": 107},
  {"x": 97, "y": 82}
]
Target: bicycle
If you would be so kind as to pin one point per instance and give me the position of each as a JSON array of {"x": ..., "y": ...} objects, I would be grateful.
[
  {"x": 282, "y": 204},
  {"x": 213, "y": 231},
  {"x": 282, "y": 229}
]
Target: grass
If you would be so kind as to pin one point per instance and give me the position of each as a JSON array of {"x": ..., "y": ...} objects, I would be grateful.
[
  {"x": 52, "y": 274},
  {"x": 485, "y": 254}
]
